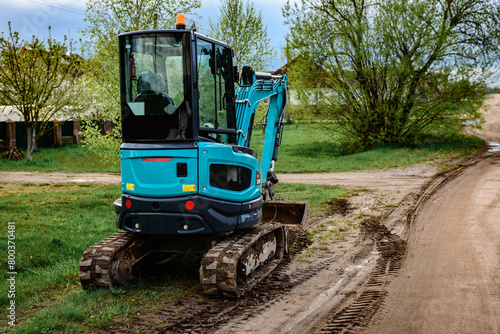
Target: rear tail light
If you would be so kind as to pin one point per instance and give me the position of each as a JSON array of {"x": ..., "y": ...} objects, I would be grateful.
[
  {"x": 156, "y": 159},
  {"x": 189, "y": 205}
]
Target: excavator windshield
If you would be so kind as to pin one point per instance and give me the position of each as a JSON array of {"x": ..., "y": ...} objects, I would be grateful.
[{"x": 155, "y": 88}]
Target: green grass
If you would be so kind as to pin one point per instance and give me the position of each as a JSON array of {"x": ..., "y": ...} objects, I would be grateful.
[
  {"x": 326, "y": 233},
  {"x": 307, "y": 149},
  {"x": 69, "y": 158},
  {"x": 55, "y": 224},
  {"x": 316, "y": 195}
]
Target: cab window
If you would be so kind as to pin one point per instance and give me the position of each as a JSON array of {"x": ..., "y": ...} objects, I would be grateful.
[
  {"x": 156, "y": 87},
  {"x": 216, "y": 87}
]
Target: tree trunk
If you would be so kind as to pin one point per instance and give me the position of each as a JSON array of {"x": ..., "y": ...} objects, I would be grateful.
[
  {"x": 35, "y": 145},
  {"x": 31, "y": 134}
]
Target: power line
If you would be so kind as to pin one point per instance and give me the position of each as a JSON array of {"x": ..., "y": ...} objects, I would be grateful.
[{"x": 61, "y": 7}]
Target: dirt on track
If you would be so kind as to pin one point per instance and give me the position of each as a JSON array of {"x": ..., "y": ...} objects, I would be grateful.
[{"x": 418, "y": 252}]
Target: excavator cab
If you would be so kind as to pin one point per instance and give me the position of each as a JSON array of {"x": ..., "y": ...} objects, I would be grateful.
[{"x": 166, "y": 75}]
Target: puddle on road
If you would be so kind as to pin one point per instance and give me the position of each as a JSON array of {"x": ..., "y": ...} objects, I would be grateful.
[{"x": 494, "y": 147}]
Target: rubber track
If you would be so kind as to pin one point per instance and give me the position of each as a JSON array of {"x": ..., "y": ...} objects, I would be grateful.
[
  {"x": 218, "y": 270},
  {"x": 271, "y": 290},
  {"x": 188, "y": 318},
  {"x": 96, "y": 262}
]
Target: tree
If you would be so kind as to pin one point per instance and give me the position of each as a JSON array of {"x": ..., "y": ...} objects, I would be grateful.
[
  {"x": 385, "y": 71},
  {"x": 105, "y": 20},
  {"x": 37, "y": 78},
  {"x": 242, "y": 27}
]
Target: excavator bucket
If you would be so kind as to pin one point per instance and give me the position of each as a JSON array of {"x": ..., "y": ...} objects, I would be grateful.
[{"x": 285, "y": 213}]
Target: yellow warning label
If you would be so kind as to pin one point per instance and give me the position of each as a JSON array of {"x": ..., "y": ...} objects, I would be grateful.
[
  {"x": 188, "y": 187},
  {"x": 130, "y": 186}
]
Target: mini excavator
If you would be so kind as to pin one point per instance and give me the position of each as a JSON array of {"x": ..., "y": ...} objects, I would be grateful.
[{"x": 190, "y": 181}]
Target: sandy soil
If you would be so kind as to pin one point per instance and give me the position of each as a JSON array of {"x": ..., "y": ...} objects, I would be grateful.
[
  {"x": 450, "y": 281},
  {"x": 431, "y": 265}
]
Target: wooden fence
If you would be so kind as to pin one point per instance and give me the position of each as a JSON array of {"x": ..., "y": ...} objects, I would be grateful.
[{"x": 13, "y": 134}]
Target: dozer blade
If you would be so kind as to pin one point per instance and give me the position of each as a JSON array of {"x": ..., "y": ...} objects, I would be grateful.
[{"x": 285, "y": 213}]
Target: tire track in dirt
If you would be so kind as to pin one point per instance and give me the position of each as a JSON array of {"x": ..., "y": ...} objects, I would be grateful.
[
  {"x": 337, "y": 298},
  {"x": 451, "y": 280},
  {"x": 356, "y": 314}
]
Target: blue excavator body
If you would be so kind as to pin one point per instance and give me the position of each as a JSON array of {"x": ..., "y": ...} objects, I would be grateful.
[{"x": 186, "y": 162}]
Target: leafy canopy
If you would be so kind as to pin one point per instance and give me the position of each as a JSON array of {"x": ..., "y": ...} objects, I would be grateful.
[
  {"x": 241, "y": 25},
  {"x": 37, "y": 77},
  {"x": 106, "y": 19},
  {"x": 386, "y": 71}
]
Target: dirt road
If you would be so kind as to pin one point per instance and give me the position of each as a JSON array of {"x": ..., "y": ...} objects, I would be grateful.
[{"x": 450, "y": 282}]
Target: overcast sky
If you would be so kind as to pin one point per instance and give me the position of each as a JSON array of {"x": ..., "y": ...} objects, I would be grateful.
[{"x": 32, "y": 17}]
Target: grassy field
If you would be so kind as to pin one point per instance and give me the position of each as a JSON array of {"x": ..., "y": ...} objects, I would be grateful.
[
  {"x": 69, "y": 158},
  {"x": 305, "y": 149},
  {"x": 54, "y": 224}
]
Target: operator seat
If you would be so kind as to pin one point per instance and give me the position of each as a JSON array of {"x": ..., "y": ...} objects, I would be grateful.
[
  {"x": 157, "y": 104},
  {"x": 151, "y": 88}
]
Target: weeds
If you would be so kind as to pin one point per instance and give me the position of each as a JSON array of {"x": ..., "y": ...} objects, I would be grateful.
[{"x": 327, "y": 232}]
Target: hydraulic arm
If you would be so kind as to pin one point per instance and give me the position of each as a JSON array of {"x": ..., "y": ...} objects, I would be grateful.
[{"x": 254, "y": 88}]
